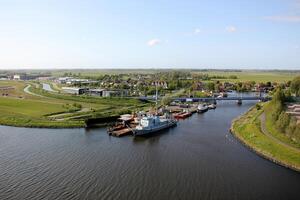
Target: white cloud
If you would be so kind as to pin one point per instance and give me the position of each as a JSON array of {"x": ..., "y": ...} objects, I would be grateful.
[
  {"x": 231, "y": 29},
  {"x": 154, "y": 42},
  {"x": 197, "y": 31},
  {"x": 284, "y": 18}
]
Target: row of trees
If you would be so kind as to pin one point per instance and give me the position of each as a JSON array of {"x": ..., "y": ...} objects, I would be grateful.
[{"x": 283, "y": 121}]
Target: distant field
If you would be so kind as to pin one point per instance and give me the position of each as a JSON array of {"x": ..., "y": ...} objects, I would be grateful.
[
  {"x": 257, "y": 76},
  {"x": 243, "y": 75}
]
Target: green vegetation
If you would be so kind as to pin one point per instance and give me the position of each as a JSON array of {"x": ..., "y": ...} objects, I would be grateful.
[
  {"x": 57, "y": 110},
  {"x": 279, "y": 123},
  {"x": 274, "y": 135},
  {"x": 32, "y": 113},
  {"x": 248, "y": 129},
  {"x": 295, "y": 86}
]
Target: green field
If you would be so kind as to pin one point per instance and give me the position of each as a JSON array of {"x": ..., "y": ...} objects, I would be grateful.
[
  {"x": 257, "y": 76},
  {"x": 248, "y": 129},
  {"x": 53, "y": 110},
  {"x": 243, "y": 75}
]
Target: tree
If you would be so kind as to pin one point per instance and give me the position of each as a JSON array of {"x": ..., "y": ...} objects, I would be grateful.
[
  {"x": 210, "y": 86},
  {"x": 295, "y": 86}
]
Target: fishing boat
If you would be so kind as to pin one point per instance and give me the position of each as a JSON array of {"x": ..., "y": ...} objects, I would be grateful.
[{"x": 202, "y": 108}]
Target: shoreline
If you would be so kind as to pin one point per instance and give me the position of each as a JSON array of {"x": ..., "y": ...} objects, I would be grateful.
[{"x": 255, "y": 149}]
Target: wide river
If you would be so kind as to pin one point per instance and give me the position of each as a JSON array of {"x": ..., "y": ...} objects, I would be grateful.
[{"x": 198, "y": 159}]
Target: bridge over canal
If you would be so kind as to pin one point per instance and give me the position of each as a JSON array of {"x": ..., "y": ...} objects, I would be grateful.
[{"x": 213, "y": 99}]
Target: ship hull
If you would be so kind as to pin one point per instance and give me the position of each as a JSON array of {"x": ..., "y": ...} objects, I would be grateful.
[
  {"x": 202, "y": 110},
  {"x": 153, "y": 130}
]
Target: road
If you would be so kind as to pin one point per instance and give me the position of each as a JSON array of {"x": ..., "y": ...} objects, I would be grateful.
[{"x": 268, "y": 134}]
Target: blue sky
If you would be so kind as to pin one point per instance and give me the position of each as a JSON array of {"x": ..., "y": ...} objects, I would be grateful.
[{"x": 244, "y": 34}]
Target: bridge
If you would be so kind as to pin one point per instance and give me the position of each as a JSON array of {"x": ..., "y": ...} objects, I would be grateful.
[{"x": 213, "y": 99}]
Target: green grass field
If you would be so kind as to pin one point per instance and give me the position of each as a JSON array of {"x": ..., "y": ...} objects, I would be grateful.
[
  {"x": 243, "y": 75},
  {"x": 257, "y": 76},
  {"x": 22, "y": 109},
  {"x": 247, "y": 129}
]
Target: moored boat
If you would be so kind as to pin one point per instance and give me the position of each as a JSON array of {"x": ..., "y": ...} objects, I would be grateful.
[
  {"x": 202, "y": 108},
  {"x": 152, "y": 124},
  {"x": 182, "y": 115},
  {"x": 212, "y": 106}
]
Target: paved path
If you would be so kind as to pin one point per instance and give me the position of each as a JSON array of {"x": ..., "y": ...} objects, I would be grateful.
[
  {"x": 267, "y": 133},
  {"x": 26, "y": 90}
]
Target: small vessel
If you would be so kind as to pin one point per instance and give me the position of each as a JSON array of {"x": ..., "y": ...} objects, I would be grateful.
[
  {"x": 182, "y": 115},
  {"x": 202, "y": 108},
  {"x": 212, "y": 106},
  {"x": 239, "y": 102},
  {"x": 152, "y": 124}
]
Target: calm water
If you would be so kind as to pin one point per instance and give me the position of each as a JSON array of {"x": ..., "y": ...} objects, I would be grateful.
[
  {"x": 47, "y": 87},
  {"x": 198, "y": 159}
]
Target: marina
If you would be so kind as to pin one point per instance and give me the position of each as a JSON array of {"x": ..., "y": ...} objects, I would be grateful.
[{"x": 88, "y": 164}]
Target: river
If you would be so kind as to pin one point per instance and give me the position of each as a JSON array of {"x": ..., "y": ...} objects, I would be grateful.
[{"x": 198, "y": 159}]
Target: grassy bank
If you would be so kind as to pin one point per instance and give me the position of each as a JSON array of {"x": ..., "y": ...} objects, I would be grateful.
[
  {"x": 50, "y": 110},
  {"x": 33, "y": 113},
  {"x": 247, "y": 128}
]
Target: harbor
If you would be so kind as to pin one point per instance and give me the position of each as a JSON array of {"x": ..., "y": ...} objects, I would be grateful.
[
  {"x": 88, "y": 163},
  {"x": 166, "y": 117}
]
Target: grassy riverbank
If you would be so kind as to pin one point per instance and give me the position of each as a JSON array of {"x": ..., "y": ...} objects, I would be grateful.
[
  {"x": 50, "y": 110},
  {"x": 247, "y": 128}
]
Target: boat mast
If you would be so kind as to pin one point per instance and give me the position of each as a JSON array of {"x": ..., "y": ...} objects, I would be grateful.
[{"x": 156, "y": 96}]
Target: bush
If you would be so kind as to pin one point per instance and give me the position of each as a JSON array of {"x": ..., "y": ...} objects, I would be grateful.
[{"x": 258, "y": 106}]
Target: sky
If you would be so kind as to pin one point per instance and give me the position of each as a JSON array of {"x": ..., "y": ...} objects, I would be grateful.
[{"x": 244, "y": 34}]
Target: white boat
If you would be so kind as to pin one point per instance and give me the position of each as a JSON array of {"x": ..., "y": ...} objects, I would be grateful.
[
  {"x": 152, "y": 124},
  {"x": 202, "y": 108},
  {"x": 212, "y": 106}
]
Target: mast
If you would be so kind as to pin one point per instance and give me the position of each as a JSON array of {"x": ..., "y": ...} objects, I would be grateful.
[{"x": 156, "y": 97}]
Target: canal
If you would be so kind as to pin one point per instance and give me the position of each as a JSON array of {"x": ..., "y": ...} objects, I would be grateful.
[
  {"x": 198, "y": 159},
  {"x": 47, "y": 87}
]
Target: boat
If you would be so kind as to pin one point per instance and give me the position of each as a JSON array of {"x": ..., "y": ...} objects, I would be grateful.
[
  {"x": 212, "y": 106},
  {"x": 152, "y": 124},
  {"x": 182, "y": 115},
  {"x": 202, "y": 108}
]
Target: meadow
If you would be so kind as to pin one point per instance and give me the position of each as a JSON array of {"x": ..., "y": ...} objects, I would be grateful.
[{"x": 52, "y": 110}]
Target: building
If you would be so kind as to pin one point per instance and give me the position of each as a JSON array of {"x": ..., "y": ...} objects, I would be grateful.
[
  {"x": 114, "y": 93},
  {"x": 74, "y": 81},
  {"x": 96, "y": 92},
  {"x": 24, "y": 77},
  {"x": 74, "y": 90}
]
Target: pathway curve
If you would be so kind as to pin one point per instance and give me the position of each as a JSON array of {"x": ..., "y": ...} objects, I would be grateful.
[
  {"x": 267, "y": 133},
  {"x": 26, "y": 90}
]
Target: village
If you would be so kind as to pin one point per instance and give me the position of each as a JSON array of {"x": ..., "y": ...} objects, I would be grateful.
[{"x": 137, "y": 85}]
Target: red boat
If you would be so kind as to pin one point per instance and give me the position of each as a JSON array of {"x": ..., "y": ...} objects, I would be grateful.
[{"x": 182, "y": 115}]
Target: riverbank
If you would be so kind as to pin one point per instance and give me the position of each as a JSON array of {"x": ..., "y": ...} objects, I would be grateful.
[
  {"x": 248, "y": 129},
  {"x": 28, "y": 105}
]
